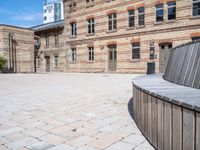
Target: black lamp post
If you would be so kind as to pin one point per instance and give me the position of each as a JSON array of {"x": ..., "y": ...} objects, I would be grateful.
[{"x": 151, "y": 65}]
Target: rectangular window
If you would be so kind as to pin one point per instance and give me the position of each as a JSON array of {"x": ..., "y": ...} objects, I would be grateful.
[
  {"x": 91, "y": 26},
  {"x": 38, "y": 61},
  {"x": 171, "y": 10},
  {"x": 112, "y": 52},
  {"x": 72, "y": 7},
  {"x": 196, "y": 38},
  {"x": 73, "y": 29},
  {"x": 47, "y": 41},
  {"x": 56, "y": 37},
  {"x": 91, "y": 53},
  {"x": 74, "y": 56},
  {"x": 196, "y": 8},
  {"x": 112, "y": 22},
  {"x": 135, "y": 50},
  {"x": 159, "y": 13},
  {"x": 141, "y": 16},
  {"x": 131, "y": 18},
  {"x": 56, "y": 60}
]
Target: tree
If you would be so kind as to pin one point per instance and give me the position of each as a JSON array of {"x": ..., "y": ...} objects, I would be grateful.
[{"x": 3, "y": 62}]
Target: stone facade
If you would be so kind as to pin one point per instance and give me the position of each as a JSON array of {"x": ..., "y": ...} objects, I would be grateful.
[
  {"x": 51, "y": 55},
  {"x": 167, "y": 32},
  {"x": 18, "y": 50}
]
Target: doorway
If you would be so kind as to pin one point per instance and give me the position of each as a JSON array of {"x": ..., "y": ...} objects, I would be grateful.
[
  {"x": 47, "y": 63},
  {"x": 112, "y": 58},
  {"x": 164, "y": 56}
]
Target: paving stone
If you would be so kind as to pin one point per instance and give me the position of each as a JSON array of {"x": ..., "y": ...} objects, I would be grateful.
[
  {"x": 134, "y": 139},
  {"x": 87, "y": 148},
  {"x": 21, "y": 143},
  {"x": 35, "y": 132},
  {"x": 120, "y": 146},
  {"x": 68, "y": 111},
  {"x": 62, "y": 147},
  {"x": 81, "y": 140},
  {"x": 52, "y": 139},
  {"x": 10, "y": 131},
  {"x": 2, "y": 147},
  {"x": 145, "y": 145},
  {"x": 39, "y": 146}
]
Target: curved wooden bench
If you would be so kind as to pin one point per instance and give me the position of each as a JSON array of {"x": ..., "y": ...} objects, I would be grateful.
[{"x": 168, "y": 113}]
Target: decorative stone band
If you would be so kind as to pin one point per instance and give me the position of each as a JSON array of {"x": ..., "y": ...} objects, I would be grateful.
[
  {"x": 167, "y": 114},
  {"x": 183, "y": 66}
]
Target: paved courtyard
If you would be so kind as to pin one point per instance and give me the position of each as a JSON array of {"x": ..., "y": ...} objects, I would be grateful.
[{"x": 67, "y": 112}]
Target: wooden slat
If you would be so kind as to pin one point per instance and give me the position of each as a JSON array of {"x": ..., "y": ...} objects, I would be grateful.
[{"x": 188, "y": 129}]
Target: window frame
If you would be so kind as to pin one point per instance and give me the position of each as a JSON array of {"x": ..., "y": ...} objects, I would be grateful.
[
  {"x": 112, "y": 18},
  {"x": 158, "y": 9},
  {"x": 194, "y": 2},
  {"x": 56, "y": 61},
  {"x": 168, "y": 7},
  {"x": 56, "y": 38},
  {"x": 73, "y": 29},
  {"x": 47, "y": 41},
  {"x": 131, "y": 16},
  {"x": 91, "y": 53},
  {"x": 141, "y": 14},
  {"x": 73, "y": 55},
  {"x": 91, "y": 26},
  {"x": 136, "y": 46}
]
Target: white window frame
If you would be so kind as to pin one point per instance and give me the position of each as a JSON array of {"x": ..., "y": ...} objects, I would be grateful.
[
  {"x": 91, "y": 25},
  {"x": 73, "y": 55},
  {"x": 157, "y": 9},
  {"x": 140, "y": 14},
  {"x": 129, "y": 16},
  {"x": 135, "y": 47},
  {"x": 112, "y": 19},
  {"x": 198, "y": 1},
  {"x": 168, "y": 7},
  {"x": 91, "y": 53},
  {"x": 73, "y": 29}
]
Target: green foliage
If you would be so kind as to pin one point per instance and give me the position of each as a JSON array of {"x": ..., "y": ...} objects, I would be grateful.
[{"x": 3, "y": 62}]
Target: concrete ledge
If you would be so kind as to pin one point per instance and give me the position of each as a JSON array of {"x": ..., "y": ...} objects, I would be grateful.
[{"x": 167, "y": 113}]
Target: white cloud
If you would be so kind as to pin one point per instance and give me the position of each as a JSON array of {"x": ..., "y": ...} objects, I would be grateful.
[
  {"x": 27, "y": 17},
  {"x": 53, "y": 1}
]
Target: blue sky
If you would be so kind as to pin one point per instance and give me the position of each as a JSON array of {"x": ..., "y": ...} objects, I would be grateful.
[{"x": 23, "y": 13}]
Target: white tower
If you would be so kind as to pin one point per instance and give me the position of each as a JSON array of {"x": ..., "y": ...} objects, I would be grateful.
[{"x": 53, "y": 11}]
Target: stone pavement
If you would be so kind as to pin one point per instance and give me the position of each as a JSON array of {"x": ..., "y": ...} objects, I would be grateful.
[{"x": 67, "y": 112}]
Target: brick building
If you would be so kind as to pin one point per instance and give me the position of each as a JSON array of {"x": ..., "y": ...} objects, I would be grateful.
[
  {"x": 124, "y": 35},
  {"x": 17, "y": 46},
  {"x": 50, "y": 55}
]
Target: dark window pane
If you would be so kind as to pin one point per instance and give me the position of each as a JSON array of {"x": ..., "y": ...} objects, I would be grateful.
[
  {"x": 141, "y": 10},
  {"x": 110, "y": 55}
]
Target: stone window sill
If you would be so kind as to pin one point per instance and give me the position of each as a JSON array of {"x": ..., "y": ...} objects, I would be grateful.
[
  {"x": 73, "y": 37},
  {"x": 90, "y": 61},
  {"x": 111, "y": 31},
  {"x": 92, "y": 34},
  {"x": 135, "y": 60},
  {"x": 140, "y": 27},
  {"x": 195, "y": 17}
]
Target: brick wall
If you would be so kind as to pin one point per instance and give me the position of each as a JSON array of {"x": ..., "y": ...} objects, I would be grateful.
[
  {"x": 23, "y": 43},
  {"x": 177, "y": 31}
]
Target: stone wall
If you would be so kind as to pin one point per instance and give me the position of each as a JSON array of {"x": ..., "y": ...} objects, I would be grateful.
[
  {"x": 176, "y": 32},
  {"x": 23, "y": 44},
  {"x": 52, "y": 51}
]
